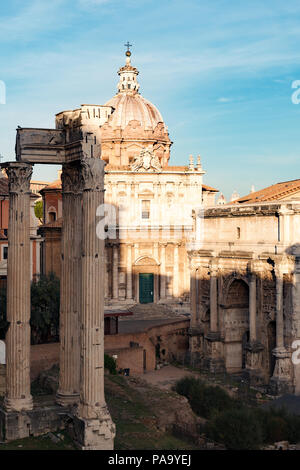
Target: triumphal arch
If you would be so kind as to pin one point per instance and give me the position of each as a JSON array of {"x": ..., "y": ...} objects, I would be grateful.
[{"x": 80, "y": 399}]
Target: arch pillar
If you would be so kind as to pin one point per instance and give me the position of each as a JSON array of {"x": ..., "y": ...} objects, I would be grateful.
[
  {"x": 254, "y": 349},
  {"x": 280, "y": 382},
  {"x": 214, "y": 360}
]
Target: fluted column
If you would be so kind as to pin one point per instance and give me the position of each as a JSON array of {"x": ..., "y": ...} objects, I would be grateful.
[
  {"x": 194, "y": 296},
  {"x": 70, "y": 300},
  {"x": 252, "y": 307},
  {"x": 163, "y": 272},
  {"x": 115, "y": 270},
  {"x": 279, "y": 308},
  {"x": 213, "y": 298},
  {"x": 176, "y": 272},
  {"x": 18, "y": 395},
  {"x": 99, "y": 429},
  {"x": 282, "y": 379},
  {"x": 106, "y": 274},
  {"x": 129, "y": 272}
]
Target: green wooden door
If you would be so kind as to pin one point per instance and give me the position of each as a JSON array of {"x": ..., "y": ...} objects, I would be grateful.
[{"x": 146, "y": 288}]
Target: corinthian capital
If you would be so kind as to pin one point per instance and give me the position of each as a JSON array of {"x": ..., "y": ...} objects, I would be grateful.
[
  {"x": 92, "y": 173},
  {"x": 71, "y": 178},
  {"x": 19, "y": 176}
]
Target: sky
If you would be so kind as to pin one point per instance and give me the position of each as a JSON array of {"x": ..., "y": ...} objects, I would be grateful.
[{"x": 220, "y": 72}]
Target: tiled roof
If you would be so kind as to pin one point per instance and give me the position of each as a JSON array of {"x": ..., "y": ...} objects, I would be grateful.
[
  {"x": 277, "y": 191},
  {"x": 55, "y": 185},
  {"x": 56, "y": 224},
  {"x": 209, "y": 188}
]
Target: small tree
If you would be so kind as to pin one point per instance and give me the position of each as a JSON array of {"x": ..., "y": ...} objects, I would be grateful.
[
  {"x": 38, "y": 210},
  {"x": 45, "y": 299}
]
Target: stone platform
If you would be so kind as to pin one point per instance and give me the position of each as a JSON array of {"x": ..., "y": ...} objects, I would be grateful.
[{"x": 45, "y": 417}]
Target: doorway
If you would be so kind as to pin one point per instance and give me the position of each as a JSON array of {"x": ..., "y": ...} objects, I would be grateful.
[{"x": 146, "y": 287}]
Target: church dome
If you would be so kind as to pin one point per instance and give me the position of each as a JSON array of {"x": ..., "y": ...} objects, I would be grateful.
[
  {"x": 134, "y": 124},
  {"x": 133, "y": 107}
]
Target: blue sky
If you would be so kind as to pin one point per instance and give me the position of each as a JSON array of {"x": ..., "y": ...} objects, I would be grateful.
[{"x": 220, "y": 72}]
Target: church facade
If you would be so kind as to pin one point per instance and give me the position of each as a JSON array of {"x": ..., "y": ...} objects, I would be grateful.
[{"x": 148, "y": 203}]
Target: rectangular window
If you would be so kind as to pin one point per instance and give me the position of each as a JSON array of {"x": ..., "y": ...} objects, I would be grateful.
[
  {"x": 4, "y": 252},
  {"x": 146, "y": 209}
]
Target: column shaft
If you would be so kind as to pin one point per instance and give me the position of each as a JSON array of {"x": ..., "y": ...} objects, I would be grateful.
[
  {"x": 163, "y": 272},
  {"x": 18, "y": 395},
  {"x": 70, "y": 297},
  {"x": 92, "y": 295},
  {"x": 213, "y": 301},
  {"x": 279, "y": 310},
  {"x": 252, "y": 308},
  {"x": 193, "y": 297},
  {"x": 176, "y": 273},
  {"x": 129, "y": 272},
  {"x": 115, "y": 272}
]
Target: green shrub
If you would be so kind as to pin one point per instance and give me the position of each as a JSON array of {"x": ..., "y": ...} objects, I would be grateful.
[
  {"x": 237, "y": 429},
  {"x": 45, "y": 300},
  {"x": 278, "y": 425},
  {"x": 110, "y": 364},
  {"x": 205, "y": 401}
]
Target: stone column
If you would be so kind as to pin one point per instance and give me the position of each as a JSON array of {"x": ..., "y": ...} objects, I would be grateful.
[
  {"x": 195, "y": 330},
  {"x": 176, "y": 272},
  {"x": 252, "y": 307},
  {"x": 214, "y": 360},
  {"x": 106, "y": 274},
  {"x": 163, "y": 272},
  {"x": 94, "y": 428},
  {"x": 279, "y": 308},
  {"x": 115, "y": 271},
  {"x": 281, "y": 381},
  {"x": 213, "y": 298},
  {"x": 253, "y": 372},
  {"x": 129, "y": 272},
  {"x": 194, "y": 297},
  {"x": 18, "y": 395},
  {"x": 70, "y": 297}
]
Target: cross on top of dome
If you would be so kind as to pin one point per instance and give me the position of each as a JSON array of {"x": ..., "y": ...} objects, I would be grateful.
[
  {"x": 128, "y": 53},
  {"x": 128, "y": 75}
]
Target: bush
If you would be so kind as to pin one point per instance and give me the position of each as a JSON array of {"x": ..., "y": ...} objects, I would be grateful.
[
  {"x": 205, "y": 401},
  {"x": 237, "y": 429},
  {"x": 278, "y": 425},
  {"x": 45, "y": 300},
  {"x": 110, "y": 364}
]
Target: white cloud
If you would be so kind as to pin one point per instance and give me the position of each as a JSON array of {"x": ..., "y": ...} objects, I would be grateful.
[
  {"x": 36, "y": 17},
  {"x": 223, "y": 99}
]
